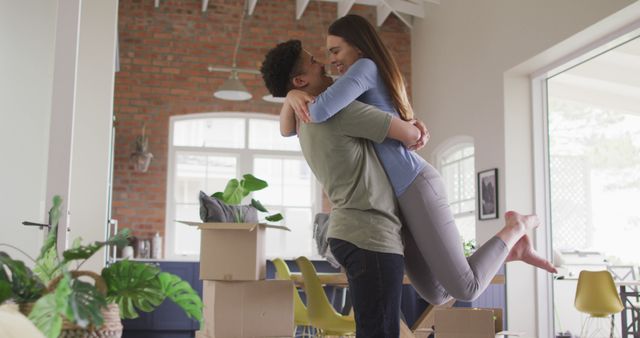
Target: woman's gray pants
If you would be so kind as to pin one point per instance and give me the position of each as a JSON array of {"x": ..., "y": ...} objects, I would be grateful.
[{"x": 434, "y": 258}]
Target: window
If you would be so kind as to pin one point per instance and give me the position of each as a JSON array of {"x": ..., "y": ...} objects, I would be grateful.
[
  {"x": 456, "y": 164},
  {"x": 591, "y": 135},
  {"x": 593, "y": 117},
  {"x": 206, "y": 150}
]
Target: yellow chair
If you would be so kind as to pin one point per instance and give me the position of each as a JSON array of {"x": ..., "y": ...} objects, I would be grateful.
[
  {"x": 300, "y": 315},
  {"x": 321, "y": 313},
  {"x": 596, "y": 295}
]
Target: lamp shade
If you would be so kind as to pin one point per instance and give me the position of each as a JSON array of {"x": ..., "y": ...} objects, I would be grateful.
[
  {"x": 272, "y": 99},
  {"x": 233, "y": 90}
]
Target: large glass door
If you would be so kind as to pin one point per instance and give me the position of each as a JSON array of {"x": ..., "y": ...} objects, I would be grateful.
[{"x": 593, "y": 119}]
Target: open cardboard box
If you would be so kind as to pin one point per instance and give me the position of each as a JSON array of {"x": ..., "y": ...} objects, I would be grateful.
[
  {"x": 247, "y": 309},
  {"x": 470, "y": 323},
  {"x": 233, "y": 251}
]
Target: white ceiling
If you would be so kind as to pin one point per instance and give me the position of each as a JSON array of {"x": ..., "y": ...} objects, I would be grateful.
[
  {"x": 405, "y": 10},
  {"x": 610, "y": 80}
]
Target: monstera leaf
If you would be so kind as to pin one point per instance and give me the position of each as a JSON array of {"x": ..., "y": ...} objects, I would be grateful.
[
  {"x": 275, "y": 217},
  {"x": 181, "y": 293},
  {"x": 48, "y": 311},
  {"x": 25, "y": 286},
  {"x": 133, "y": 286},
  {"x": 86, "y": 302},
  {"x": 256, "y": 204},
  {"x": 5, "y": 289},
  {"x": 236, "y": 190},
  {"x": 48, "y": 266},
  {"x": 86, "y": 251}
]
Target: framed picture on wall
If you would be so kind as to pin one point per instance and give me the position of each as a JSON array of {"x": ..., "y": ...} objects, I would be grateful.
[{"x": 488, "y": 194}]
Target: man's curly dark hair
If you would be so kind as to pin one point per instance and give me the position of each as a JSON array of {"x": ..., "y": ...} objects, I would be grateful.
[{"x": 278, "y": 65}]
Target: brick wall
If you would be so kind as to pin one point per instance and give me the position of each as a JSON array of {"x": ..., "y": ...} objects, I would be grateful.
[{"x": 164, "y": 54}]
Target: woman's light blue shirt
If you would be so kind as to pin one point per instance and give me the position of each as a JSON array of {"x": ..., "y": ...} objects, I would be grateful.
[{"x": 363, "y": 83}]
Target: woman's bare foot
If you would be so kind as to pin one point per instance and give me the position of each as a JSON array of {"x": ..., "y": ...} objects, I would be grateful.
[
  {"x": 528, "y": 222},
  {"x": 516, "y": 226},
  {"x": 523, "y": 251}
]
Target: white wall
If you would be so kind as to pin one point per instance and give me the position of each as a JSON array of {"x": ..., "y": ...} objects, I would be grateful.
[
  {"x": 27, "y": 39},
  {"x": 461, "y": 51},
  {"x": 83, "y": 104}
]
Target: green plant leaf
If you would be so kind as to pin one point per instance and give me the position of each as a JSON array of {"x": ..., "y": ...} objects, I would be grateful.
[
  {"x": 274, "y": 217},
  {"x": 48, "y": 311},
  {"x": 86, "y": 251},
  {"x": 5, "y": 290},
  {"x": 47, "y": 266},
  {"x": 233, "y": 192},
  {"x": 25, "y": 286},
  {"x": 54, "y": 218},
  {"x": 252, "y": 183},
  {"x": 219, "y": 195},
  {"x": 256, "y": 204},
  {"x": 181, "y": 293},
  {"x": 133, "y": 286},
  {"x": 86, "y": 302}
]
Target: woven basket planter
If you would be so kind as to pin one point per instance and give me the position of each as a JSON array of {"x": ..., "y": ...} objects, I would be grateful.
[{"x": 112, "y": 326}]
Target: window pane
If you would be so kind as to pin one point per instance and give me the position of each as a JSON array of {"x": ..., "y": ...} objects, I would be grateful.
[
  {"x": 220, "y": 170},
  {"x": 467, "y": 176},
  {"x": 296, "y": 243},
  {"x": 187, "y": 238},
  {"x": 467, "y": 227},
  {"x": 458, "y": 173},
  {"x": 297, "y": 186},
  {"x": 594, "y": 166},
  {"x": 195, "y": 172},
  {"x": 448, "y": 175},
  {"x": 456, "y": 155},
  {"x": 270, "y": 170},
  {"x": 211, "y": 132},
  {"x": 467, "y": 151},
  {"x": 468, "y": 205},
  {"x": 295, "y": 190},
  {"x": 265, "y": 134}
]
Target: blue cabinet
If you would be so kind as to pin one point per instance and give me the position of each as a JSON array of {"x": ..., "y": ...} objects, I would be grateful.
[{"x": 168, "y": 320}]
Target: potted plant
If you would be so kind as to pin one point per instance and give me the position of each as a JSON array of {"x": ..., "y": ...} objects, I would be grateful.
[
  {"x": 60, "y": 304},
  {"x": 469, "y": 247},
  {"x": 141, "y": 157}
]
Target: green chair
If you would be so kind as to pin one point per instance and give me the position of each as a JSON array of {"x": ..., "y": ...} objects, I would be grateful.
[
  {"x": 300, "y": 315},
  {"x": 597, "y": 296},
  {"x": 321, "y": 313}
]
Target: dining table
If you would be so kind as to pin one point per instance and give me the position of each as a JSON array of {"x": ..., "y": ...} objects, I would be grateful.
[{"x": 423, "y": 324}]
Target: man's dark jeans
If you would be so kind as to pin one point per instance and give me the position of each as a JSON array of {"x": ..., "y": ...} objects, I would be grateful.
[{"x": 375, "y": 285}]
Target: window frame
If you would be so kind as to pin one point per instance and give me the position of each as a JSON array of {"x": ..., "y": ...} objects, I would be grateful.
[
  {"x": 448, "y": 151},
  {"x": 244, "y": 157},
  {"x": 537, "y": 79}
]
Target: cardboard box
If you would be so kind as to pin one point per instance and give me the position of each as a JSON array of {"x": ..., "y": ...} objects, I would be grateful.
[
  {"x": 248, "y": 309},
  {"x": 233, "y": 251},
  {"x": 469, "y": 323}
]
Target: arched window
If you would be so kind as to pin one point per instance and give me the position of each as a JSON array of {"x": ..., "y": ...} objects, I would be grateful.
[
  {"x": 206, "y": 150},
  {"x": 456, "y": 164}
]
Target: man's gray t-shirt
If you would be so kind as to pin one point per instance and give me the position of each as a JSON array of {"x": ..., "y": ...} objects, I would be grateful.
[{"x": 364, "y": 209}]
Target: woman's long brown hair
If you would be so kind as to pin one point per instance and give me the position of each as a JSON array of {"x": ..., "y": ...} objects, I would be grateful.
[{"x": 358, "y": 32}]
